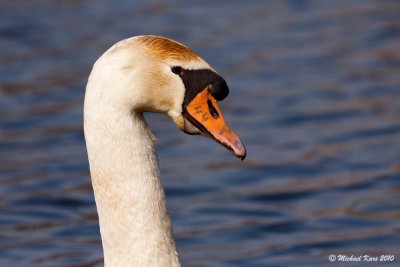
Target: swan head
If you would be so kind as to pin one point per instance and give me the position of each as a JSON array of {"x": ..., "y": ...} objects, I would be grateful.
[{"x": 156, "y": 74}]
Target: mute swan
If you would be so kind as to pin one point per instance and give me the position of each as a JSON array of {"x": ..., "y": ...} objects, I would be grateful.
[{"x": 136, "y": 75}]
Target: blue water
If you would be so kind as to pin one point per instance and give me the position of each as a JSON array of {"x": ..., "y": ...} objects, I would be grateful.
[{"x": 315, "y": 96}]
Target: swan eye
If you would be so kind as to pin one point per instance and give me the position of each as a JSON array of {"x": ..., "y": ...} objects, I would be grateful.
[{"x": 177, "y": 70}]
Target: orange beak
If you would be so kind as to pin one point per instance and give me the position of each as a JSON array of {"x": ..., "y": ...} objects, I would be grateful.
[{"x": 203, "y": 112}]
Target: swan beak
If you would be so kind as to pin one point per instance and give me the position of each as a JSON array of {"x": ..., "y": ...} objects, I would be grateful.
[{"x": 203, "y": 112}]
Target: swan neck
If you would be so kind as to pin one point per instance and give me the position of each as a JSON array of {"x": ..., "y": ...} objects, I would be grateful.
[{"x": 134, "y": 223}]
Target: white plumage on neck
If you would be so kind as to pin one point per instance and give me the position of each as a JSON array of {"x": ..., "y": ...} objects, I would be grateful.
[{"x": 135, "y": 227}]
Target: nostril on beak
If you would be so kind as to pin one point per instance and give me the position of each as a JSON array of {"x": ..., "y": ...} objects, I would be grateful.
[{"x": 212, "y": 109}]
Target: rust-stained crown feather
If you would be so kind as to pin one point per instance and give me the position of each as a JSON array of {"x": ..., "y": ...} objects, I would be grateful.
[{"x": 165, "y": 48}]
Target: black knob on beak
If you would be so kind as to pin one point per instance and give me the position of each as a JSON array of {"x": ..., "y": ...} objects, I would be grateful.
[{"x": 219, "y": 90}]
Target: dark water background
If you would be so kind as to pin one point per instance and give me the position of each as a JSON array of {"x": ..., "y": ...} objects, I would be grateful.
[{"x": 315, "y": 96}]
